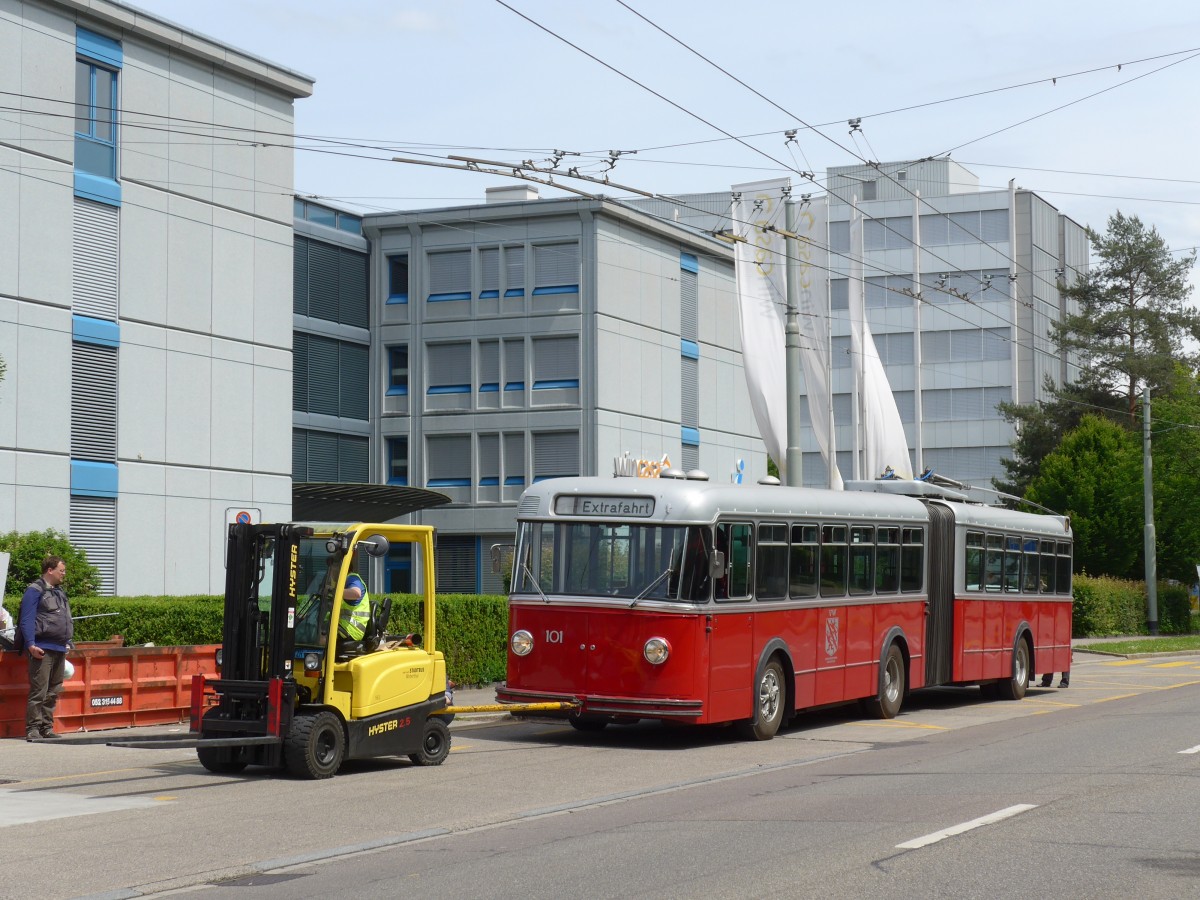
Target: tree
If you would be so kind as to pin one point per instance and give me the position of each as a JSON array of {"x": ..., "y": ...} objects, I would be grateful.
[
  {"x": 1132, "y": 320},
  {"x": 1041, "y": 427},
  {"x": 1094, "y": 476},
  {"x": 27, "y": 551}
]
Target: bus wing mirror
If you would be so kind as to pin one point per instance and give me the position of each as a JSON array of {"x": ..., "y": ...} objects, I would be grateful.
[
  {"x": 498, "y": 552},
  {"x": 716, "y": 564}
]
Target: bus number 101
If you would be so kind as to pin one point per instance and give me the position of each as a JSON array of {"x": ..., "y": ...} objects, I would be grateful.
[{"x": 554, "y": 637}]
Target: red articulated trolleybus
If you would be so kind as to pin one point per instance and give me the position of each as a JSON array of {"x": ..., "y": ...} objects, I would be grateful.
[{"x": 683, "y": 600}]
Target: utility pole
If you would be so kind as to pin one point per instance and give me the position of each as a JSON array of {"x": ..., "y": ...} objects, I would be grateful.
[
  {"x": 793, "y": 474},
  {"x": 1148, "y": 500}
]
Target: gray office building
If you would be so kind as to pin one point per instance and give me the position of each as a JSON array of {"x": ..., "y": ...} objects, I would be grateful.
[
  {"x": 987, "y": 273},
  {"x": 508, "y": 342},
  {"x": 146, "y": 179}
]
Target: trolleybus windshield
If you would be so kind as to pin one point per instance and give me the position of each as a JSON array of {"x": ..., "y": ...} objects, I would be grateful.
[{"x": 601, "y": 559}]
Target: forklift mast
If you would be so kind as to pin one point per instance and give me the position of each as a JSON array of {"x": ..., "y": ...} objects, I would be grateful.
[{"x": 258, "y": 642}]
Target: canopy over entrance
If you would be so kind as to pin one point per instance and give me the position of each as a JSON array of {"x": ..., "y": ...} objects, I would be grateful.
[{"x": 314, "y": 501}]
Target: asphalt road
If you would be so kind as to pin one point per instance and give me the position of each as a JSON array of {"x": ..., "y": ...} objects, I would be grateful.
[{"x": 1092, "y": 789}]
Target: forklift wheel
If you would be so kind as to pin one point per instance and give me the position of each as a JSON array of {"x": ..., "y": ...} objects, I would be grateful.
[
  {"x": 222, "y": 760},
  {"x": 435, "y": 745},
  {"x": 315, "y": 745}
]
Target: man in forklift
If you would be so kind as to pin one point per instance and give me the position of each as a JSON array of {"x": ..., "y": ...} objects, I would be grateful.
[{"x": 356, "y": 609}]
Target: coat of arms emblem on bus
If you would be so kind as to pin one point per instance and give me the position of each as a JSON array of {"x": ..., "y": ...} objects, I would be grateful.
[{"x": 831, "y": 636}]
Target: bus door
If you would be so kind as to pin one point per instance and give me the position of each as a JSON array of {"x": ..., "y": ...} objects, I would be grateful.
[{"x": 731, "y": 661}]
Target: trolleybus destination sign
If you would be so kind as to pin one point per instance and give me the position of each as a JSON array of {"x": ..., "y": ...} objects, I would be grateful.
[{"x": 576, "y": 505}]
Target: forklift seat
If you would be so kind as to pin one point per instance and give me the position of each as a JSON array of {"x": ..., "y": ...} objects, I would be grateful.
[{"x": 377, "y": 626}]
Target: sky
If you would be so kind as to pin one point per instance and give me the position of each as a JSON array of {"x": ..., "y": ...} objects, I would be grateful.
[{"x": 1089, "y": 104}]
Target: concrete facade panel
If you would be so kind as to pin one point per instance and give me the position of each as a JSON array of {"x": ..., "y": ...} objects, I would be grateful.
[
  {"x": 190, "y": 265},
  {"x": 144, "y": 233},
  {"x": 47, "y": 82},
  {"x": 46, "y": 222},
  {"x": 233, "y": 279}
]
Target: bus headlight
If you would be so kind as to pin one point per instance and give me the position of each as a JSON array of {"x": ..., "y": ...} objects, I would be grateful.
[
  {"x": 522, "y": 643},
  {"x": 656, "y": 651},
  {"x": 312, "y": 661}
]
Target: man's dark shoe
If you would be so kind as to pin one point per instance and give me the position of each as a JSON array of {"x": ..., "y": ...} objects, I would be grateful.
[
  {"x": 1046, "y": 681},
  {"x": 1064, "y": 683},
  {"x": 33, "y": 736},
  {"x": 49, "y": 735}
]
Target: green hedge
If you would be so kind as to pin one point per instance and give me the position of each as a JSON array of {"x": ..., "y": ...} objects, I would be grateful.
[
  {"x": 472, "y": 629},
  {"x": 1106, "y": 607}
]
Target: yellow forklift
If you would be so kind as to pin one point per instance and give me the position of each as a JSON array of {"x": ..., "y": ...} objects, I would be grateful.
[{"x": 291, "y": 694}]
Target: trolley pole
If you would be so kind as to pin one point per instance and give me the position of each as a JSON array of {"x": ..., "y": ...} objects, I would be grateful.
[
  {"x": 1148, "y": 500},
  {"x": 793, "y": 468}
]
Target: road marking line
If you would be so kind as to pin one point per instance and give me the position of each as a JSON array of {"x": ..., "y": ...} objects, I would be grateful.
[
  {"x": 1125, "y": 662},
  {"x": 989, "y": 819},
  {"x": 1195, "y": 749},
  {"x": 1172, "y": 665},
  {"x": 23, "y": 807},
  {"x": 894, "y": 724}
]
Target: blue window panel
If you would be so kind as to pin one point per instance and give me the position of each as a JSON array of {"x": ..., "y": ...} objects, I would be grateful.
[
  {"x": 690, "y": 436},
  {"x": 689, "y": 263},
  {"x": 515, "y": 292},
  {"x": 450, "y": 295},
  {"x": 489, "y": 388},
  {"x": 561, "y": 383},
  {"x": 514, "y": 480},
  {"x": 87, "y": 330},
  {"x": 489, "y": 481},
  {"x": 93, "y": 479},
  {"x": 556, "y": 289},
  {"x": 514, "y": 385},
  {"x": 398, "y": 390},
  {"x": 321, "y": 215},
  {"x": 448, "y": 482},
  {"x": 97, "y": 188},
  {"x": 98, "y": 47},
  {"x": 401, "y": 480},
  {"x": 397, "y": 279},
  {"x": 352, "y": 224},
  {"x": 690, "y": 349},
  {"x": 489, "y": 295},
  {"x": 450, "y": 389}
]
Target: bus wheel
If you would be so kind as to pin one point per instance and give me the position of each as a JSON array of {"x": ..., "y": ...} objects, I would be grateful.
[
  {"x": 891, "y": 686},
  {"x": 769, "y": 704},
  {"x": 1014, "y": 688}
]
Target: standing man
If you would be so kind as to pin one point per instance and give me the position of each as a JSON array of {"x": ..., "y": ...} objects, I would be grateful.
[{"x": 44, "y": 630}]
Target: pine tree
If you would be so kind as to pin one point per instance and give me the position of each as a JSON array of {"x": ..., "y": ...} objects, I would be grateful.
[{"x": 1132, "y": 317}]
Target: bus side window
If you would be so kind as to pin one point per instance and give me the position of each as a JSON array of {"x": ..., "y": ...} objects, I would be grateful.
[
  {"x": 1030, "y": 580},
  {"x": 1012, "y": 564},
  {"x": 806, "y": 547},
  {"x": 735, "y": 541},
  {"x": 771, "y": 574},
  {"x": 973, "y": 563},
  {"x": 887, "y": 560},
  {"x": 912, "y": 559},
  {"x": 833, "y": 561}
]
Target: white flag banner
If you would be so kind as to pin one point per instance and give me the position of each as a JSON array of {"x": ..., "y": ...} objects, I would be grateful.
[
  {"x": 883, "y": 442},
  {"x": 813, "y": 307},
  {"x": 759, "y": 269}
]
